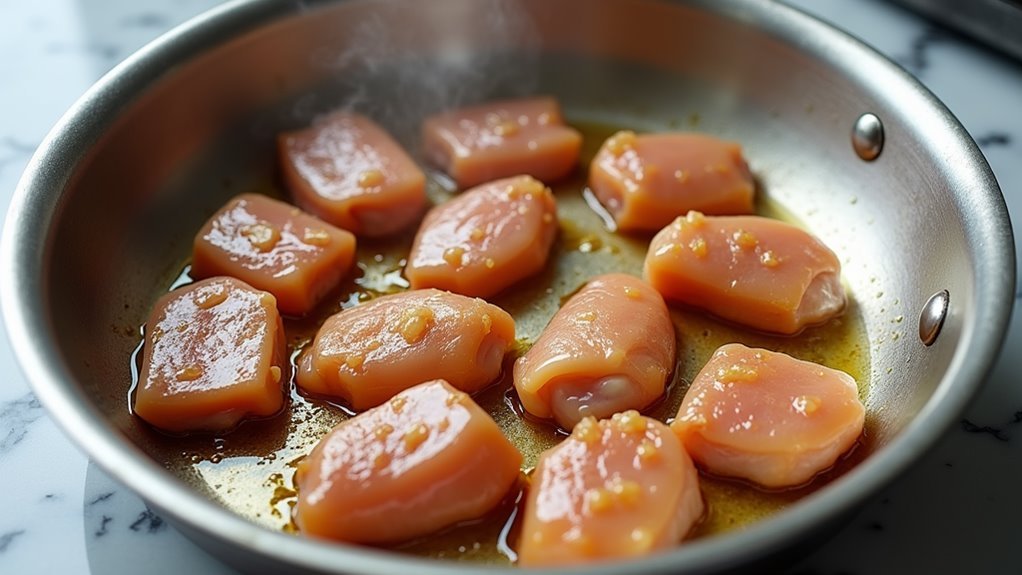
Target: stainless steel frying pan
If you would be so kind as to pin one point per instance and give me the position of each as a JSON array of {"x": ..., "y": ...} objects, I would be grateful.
[{"x": 102, "y": 221}]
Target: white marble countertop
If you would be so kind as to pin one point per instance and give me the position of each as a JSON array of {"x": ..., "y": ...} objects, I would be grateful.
[{"x": 957, "y": 510}]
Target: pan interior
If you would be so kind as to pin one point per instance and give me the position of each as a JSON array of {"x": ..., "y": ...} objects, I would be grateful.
[{"x": 205, "y": 132}]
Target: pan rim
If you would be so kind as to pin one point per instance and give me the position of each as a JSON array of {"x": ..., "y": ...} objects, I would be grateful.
[{"x": 36, "y": 201}]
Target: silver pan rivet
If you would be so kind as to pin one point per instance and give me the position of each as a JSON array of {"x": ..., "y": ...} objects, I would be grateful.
[
  {"x": 868, "y": 137},
  {"x": 932, "y": 317}
]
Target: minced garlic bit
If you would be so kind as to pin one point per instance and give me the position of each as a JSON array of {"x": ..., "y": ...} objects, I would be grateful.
[
  {"x": 642, "y": 538},
  {"x": 454, "y": 256},
  {"x": 444, "y": 424},
  {"x": 397, "y": 404},
  {"x": 275, "y": 373},
  {"x": 189, "y": 373},
  {"x": 769, "y": 260},
  {"x": 506, "y": 128},
  {"x": 632, "y": 293},
  {"x": 587, "y": 430},
  {"x": 414, "y": 323},
  {"x": 489, "y": 263},
  {"x": 383, "y": 430},
  {"x": 476, "y": 234},
  {"x": 370, "y": 178},
  {"x": 695, "y": 218},
  {"x": 806, "y": 404},
  {"x": 698, "y": 247},
  {"x": 316, "y": 237},
  {"x": 354, "y": 361},
  {"x": 621, "y": 142},
  {"x": 586, "y": 316},
  {"x": 210, "y": 297},
  {"x": 745, "y": 240},
  {"x": 456, "y": 397},
  {"x": 263, "y": 236},
  {"x": 487, "y": 322},
  {"x": 415, "y": 436},
  {"x": 737, "y": 372},
  {"x": 629, "y": 421},
  {"x": 381, "y": 460},
  {"x": 647, "y": 451},
  {"x": 617, "y": 492},
  {"x": 626, "y": 491},
  {"x": 373, "y": 345}
]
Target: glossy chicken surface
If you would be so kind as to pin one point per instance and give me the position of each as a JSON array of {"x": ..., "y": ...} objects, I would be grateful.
[
  {"x": 275, "y": 247},
  {"x": 759, "y": 272},
  {"x": 609, "y": 348},
  {"x": 485, "y": 239},
  {"x": 647, "y": 180},
  {"x": 214, "y": 355},
  {"x": 768, "y": 417},
  {"x": 617, "y": 488},
  {"x": 500, "y": 139},
  {"x": 427, "y": 458},
  {"x": 366, "y": 354},
  {"x": 348, "y": 171}
]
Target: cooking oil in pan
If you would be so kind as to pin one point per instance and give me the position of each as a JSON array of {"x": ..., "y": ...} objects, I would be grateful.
[{"x": 250, "y": 470}]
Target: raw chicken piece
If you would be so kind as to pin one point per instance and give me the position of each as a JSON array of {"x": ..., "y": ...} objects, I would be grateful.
[
  {"x": 501, "y": 139},
  {"x": 214, "y": 354},
  {"x": 608, "y": 349},
  {"x": 768, "y": 417},
  {"x": 485, "y": 239},
  {"x": 428, "y": 458},
  {"x": 646, "y": 181},
  {"x": 614, "y": 489},
  {"x": 350, "y": 172},
  {"x": 274, "y": 247},
  {"x": 367, "y": 354},
  {"x": 755, "y": 271}
]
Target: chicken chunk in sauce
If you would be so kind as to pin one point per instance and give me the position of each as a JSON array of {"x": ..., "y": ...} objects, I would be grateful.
[
  {"x": 366, "y": 354},
  {"x": 610, "y": 348},
  {"x": 426, "y": 459},
  {"x": 276, "y": 247},
  {"x": 616, "y": 488},
  {"x": 348, "y": 171},
  {"x": 500, "y": 139},
  {"x": 647, "y": 180},
  {"x": 214, "y": 355},
  {"x": 767, "y": 417},
  {"x": 759, "y": 272},
  {"x": 485, "y": 239}
]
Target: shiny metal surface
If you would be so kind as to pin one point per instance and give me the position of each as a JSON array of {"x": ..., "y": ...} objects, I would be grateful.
[
  {"x": 931, "y": 319},
  {"x": 868, "y": 137},
  {"x": 103, "y": 217}
]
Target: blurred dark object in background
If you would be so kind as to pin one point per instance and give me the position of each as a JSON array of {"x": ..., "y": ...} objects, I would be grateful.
[{"x": 998, "y": 23}]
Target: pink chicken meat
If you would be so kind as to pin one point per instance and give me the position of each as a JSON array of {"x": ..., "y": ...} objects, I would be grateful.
[
  {"x": 214, "y": 354},
  {"x": 645, "y": 181},
  {"x": 610, "y": 348},
  {"x": 348, "y": 171},
  {"x": 615, "y": 489},
  {"x": 427, "y": 458},
  {"x": 486, "y": 239},
  {"x": 500, "y": 139},
  {"x": 768, "y": 417},
  {"x": 755, "y": 271},
  {"x": 367, "y": 354},
  {"x": 275, "y": 247}
]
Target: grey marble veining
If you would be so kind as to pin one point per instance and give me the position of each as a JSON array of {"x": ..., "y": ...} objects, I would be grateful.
[{"x": 953, "y": 512}]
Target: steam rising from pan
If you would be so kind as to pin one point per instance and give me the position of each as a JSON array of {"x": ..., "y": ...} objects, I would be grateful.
[{"x": 381, "y": 75}]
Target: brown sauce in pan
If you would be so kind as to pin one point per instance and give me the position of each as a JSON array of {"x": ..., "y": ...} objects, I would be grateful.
[{"x": 250, "y": 470}]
